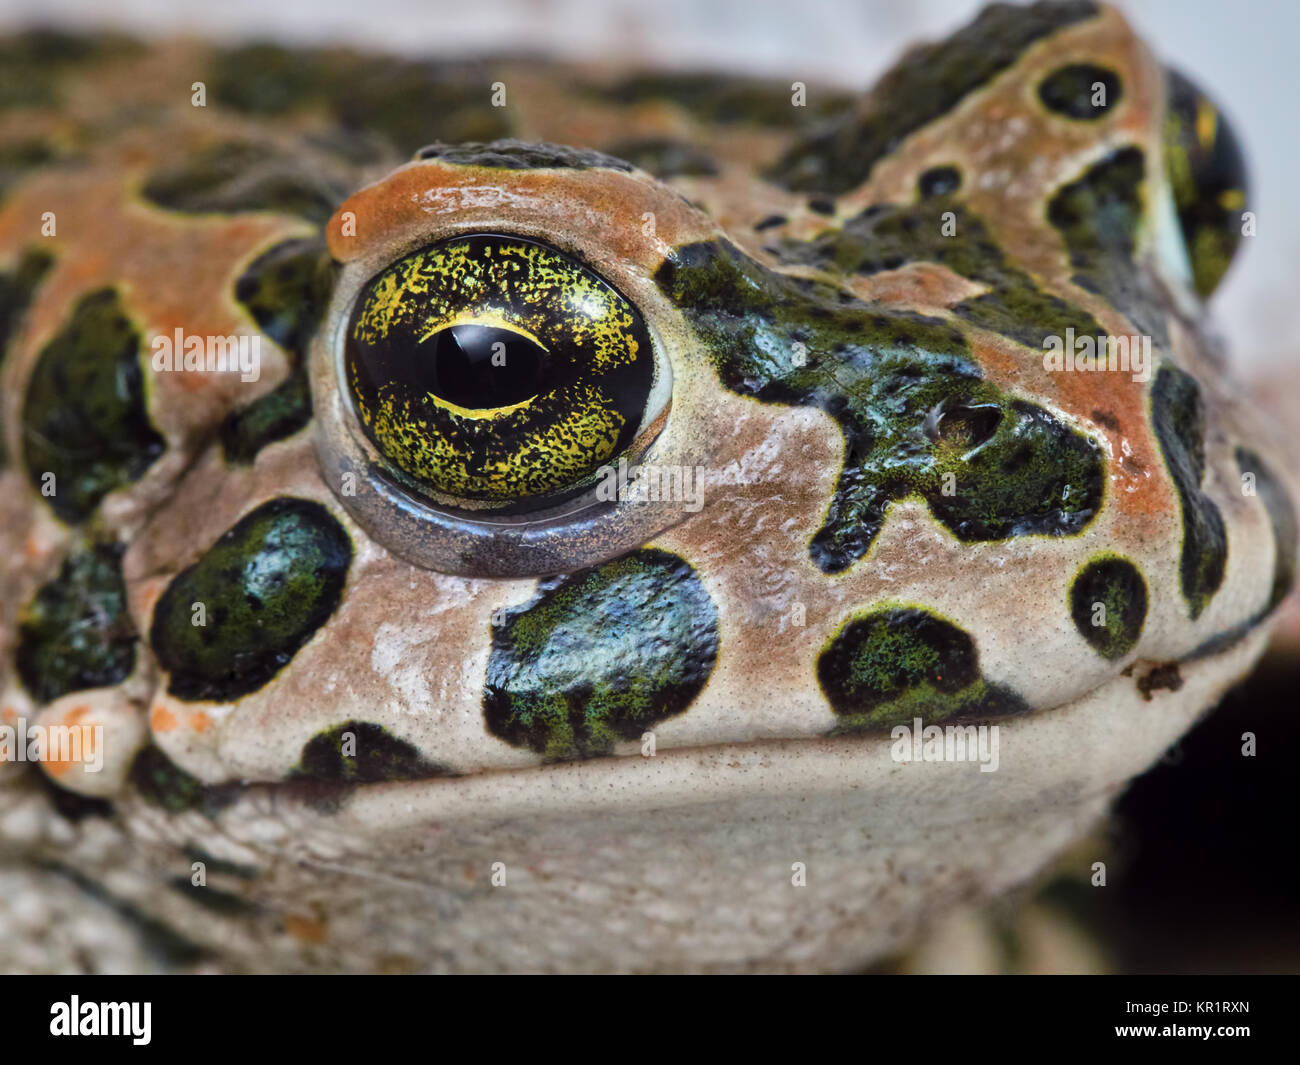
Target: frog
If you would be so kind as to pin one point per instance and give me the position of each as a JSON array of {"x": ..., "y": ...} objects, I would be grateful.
[{"x": 484, "y": 514}]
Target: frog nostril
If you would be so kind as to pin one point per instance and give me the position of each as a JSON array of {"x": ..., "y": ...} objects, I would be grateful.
[{"x": 964, "y": 426}]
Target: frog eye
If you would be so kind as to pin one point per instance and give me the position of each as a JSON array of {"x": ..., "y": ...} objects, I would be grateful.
[
  {"x": 1207, "y": 174},
  {"x": 482, "y": 398},
  {"x": 494, "y": 371}
]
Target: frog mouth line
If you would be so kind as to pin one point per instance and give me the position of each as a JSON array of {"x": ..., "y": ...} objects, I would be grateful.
[{"x": 1074, "y": 753}]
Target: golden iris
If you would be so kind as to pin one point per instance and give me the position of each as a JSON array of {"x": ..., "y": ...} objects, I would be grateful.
[{"x": 493, "y": 368}]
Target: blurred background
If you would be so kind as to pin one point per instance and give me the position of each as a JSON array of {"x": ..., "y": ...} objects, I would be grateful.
[{"x": 1202, "y": 854}]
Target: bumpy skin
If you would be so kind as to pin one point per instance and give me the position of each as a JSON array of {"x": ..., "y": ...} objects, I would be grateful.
[{"x": 904, "y": 513}]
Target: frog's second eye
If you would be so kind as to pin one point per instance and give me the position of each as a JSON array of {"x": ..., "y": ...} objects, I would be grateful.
[
  {"x": 1208, "y": 176},
  {"x": 491, "y": 370}
]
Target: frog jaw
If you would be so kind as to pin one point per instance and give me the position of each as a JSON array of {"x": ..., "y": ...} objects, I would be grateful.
[{"x": 882, "y": 843}]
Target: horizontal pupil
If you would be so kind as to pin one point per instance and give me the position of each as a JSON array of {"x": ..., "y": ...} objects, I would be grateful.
[{"x": 481, "y": 367}]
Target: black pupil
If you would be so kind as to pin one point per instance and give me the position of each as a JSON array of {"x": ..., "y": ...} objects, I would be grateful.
[{"x": 481, "y": 366}]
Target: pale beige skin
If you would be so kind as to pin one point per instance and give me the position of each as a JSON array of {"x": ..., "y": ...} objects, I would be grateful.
[{"x": 749, "y": 840}]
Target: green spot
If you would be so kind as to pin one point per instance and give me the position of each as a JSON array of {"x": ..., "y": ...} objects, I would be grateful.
[
  {"x": 938, "y": 181},
  {"x": 721, "y": 99},
  {"x": 84, "y": 416},
  {"x": 1281, "y": 515},
  {"x": 18, "y": 158},
  {"x": 266, "y": 586},
  {"x": 941, "y": 230},
  {"x": 892, "y": 665},
  {"x": 16, "y": 290},
  {"x": 917, "y": 417},
  {"x": 33, "y": 63},
  {"x": 162, "y": 782},
  {"x": 1179, "y": 419},
  {"x": 1276, "y": 498},
  {"x": 1208, "y": 178},
  {"x": 601, "y": 656},
  {"x": 1071, "y": 91},
  {"x": 926, "y": 84},
  {"x": 409, "y": 102},
  {"x": 512, "y": 154},
  {"x": 1099, "y": 216},
  {"x": 286, "y": 291},
  {"x": 236, "y": 176},
  {"x": 1108, "y": 601},
  {"x": 358, "y": 752},
  {"x": 275, "y": 416},
  {"x": 76, "y": 632}
]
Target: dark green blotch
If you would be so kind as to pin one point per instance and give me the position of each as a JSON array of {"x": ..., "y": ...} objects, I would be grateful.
[
  {"x": 666, "y": 158},
  {"x": 1069, "y": 91},
  {"x": 409, "y": 102},
  {"x": 600, "y": 656},
  {"x": 84, "y": 416},
  {"x": 279, "y": 414},
  {"x": 942, "y": 230},
  {"x": 892, "y": 665},
  {"x": 1117, "y": 585},
  {"x": 908, "y": 397},
  {"x": 19, "y": 157},
  {"x": 723, "y": 99},
  {"x": 1209, "y": 182},
  {"x": 522, "y": 155},
  {"x": 379, "y": 756},
  {"x": 162, "y": 782},
  {"x": 33, "y": 62},
  {"x": 1282, "y": 517},
  {"x": 235, "y": 176},
  {"x": 1099, "y": 216},
  {"x": 927, "y": 83},
  {"x": 76, "y": 633},
  {"x": 938, "y": 181},
  {"x": 267, "y": 585},
  {"x": 286, "y": 291},
  {"x": 1179, "y": 418},
  {"x": 17, "y": 287}
]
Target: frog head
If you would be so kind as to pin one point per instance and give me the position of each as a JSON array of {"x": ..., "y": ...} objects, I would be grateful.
[{"x": 675, "y": 508}]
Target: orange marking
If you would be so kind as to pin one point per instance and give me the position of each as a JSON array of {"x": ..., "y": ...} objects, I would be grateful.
[
  {"x": 413, "y": 197},
  {"x": 9, "y": 714},
  {"x": 306, "y": 929},
  {"x": 200, "y": 721},
  {"x": 162, "y": 719},
  {"x": 57, "y": 767}
]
